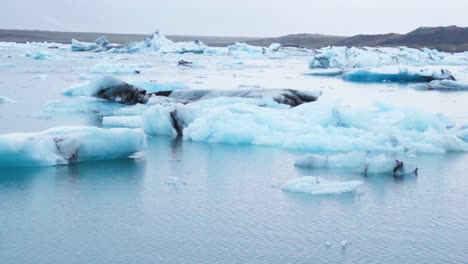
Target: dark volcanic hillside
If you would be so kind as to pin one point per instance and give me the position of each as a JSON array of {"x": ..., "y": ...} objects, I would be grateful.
[
  {"x": 303, "y": 40},
  {"x": 367, "y": 40},
  {"x": 450, "y": 38},
  {"x": 424, "y": 36}
]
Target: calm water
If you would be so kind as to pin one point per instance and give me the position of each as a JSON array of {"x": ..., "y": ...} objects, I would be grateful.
[{"x": 188, "y": 202}]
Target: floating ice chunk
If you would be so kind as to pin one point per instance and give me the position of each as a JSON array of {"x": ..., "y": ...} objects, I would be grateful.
[
  {"x": 114, "y": 68},
  {"x": 283, "y": 96},
  {"x": 5, "y": 100},
  {"x": 444, "y": 85},
  {"x": 344, "y": 243},
  {"x": 42, "y": 55},
  {"x": 83, "y": 46},
  {"x": 110, "y": 88},
  {"x": 463, "y": 134},
  {"x": 289, "y": 50},
  {"x": 314, "y": 127},
  {"x": 243, "y": 47},
  {"x": 65, "y": 145},
  {"x": 153, "y": 86},
  {"x": 397, "y": 74},
  {"x": 158, "y": 43},
  {"x": 122, "y": 121},
  {"x": 100, "y": 44},
  {"x": 356, "y": 57},
  {"x": 97, "y": 85},
  {"x": 316, "y": 185},
  {"x": 331, "y": 72},
  {"x": 358, "y": 162},
  {"x": 160, "y": 120}
]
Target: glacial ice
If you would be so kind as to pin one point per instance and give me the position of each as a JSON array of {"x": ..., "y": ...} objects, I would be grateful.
[
  {"x": 283, "y": 96},
  {"x": 356, "y": 57},
  {"x": 397, "y": 74},
  {"x": 94, "y": 86},
  {"x": 69, "y": 144},
  {"x": 359, "y": 162},
  {"x": 317, "y": 185},
  {"x": 443, "y": 85},
  {"x": 243, "y": 47},
  {"x": 122, "y": 121},
  {"x": 314, "y": 127},
  {"x": 100, "y": 44},
  {"x": 330, "y": 72},
  {"x": 110, "y": 88},
  {"x": 42, "y": 55},
  {"x": 156, "y": 42}
]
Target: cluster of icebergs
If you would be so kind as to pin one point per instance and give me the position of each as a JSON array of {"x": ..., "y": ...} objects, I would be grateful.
[
  {"x": 385, "y": 64},
  {"x": 363, "y": 141},
  {"x": 268, "y": 117},
  {"x": 159, "y": 43}
]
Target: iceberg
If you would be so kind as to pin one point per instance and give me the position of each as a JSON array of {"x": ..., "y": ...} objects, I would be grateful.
[
  {"x": 443, "y": 85},
  {"x": 122, "y": 121},
  {"x": 156, "y": 42},
  {"x": 329, "y": 72},
  {"x": 283, "y": 96},
  {"x": 42, "y": 55},
  {"x": 71, "y": 144},
  {"x": 312, "y": 127},
  {"x": 110, "y": 88},
  {"x": 397, "y": 74},
  {"x": 317, "y": 185},
  {"x": 243, "y": 47},
  {"x": 358, "y": 162},
  {"x": 357, "y": 57},
  {"x": 100, "y": 44}
]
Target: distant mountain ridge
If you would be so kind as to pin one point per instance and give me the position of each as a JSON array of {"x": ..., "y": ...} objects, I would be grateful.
[{"x": 451, "y": 38}]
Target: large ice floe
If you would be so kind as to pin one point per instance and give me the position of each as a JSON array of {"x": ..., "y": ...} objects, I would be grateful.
[
  {"x": 156, "y": 42},
  {"x": 114, "y": 89},
  {"x": 281, "y": 117},
  {"x": 443, "y": 85},
  {"x": 110, "y": 88},
  {"x": 316, "y": 185},
  {"x": 65, "y": 145},
  {"x": 359, "y": 162},
  {"x": 100, "y": 44},
  {"x": 356, "y": 57},
  {"x": 397, "y": 74},
  {"x": 314, "y": 126}
]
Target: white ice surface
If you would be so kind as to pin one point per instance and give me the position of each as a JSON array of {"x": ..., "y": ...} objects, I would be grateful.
[
  {"x": 317, "y": 185},
  {"x": 357, "y": 162},
  {"x": 64, "y": 145}
]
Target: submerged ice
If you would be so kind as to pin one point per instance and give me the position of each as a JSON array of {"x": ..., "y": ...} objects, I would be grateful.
[
  {"x": 65, "y": 145},
  {"x": 317, "y": 185}
]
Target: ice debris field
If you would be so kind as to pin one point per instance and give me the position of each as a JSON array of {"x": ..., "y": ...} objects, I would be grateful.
[{"x": 362, "y": 110}]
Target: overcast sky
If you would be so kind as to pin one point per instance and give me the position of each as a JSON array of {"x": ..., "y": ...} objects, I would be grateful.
[{"x": 261, "y": 18}]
